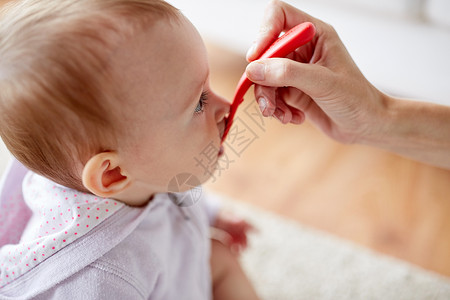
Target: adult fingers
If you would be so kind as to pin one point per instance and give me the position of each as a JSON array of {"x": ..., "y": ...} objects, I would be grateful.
[
  {"x": 273, "y": 103},
  {"x": 314, "y": 80},
  {"x": 283, "y": 112},
  {"x": 279, "y": 16},
  {"x": 267, "y": 99}
]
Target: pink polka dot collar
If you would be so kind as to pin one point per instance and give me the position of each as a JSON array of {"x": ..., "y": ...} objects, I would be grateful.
[{"x": 59, "y": 217}]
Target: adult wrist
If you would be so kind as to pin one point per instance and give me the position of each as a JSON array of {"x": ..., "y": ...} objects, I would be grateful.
[{"x": 380, "y": 120}]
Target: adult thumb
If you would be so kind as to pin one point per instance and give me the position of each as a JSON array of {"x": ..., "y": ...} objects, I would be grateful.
[{"x": 282, "y": 72}]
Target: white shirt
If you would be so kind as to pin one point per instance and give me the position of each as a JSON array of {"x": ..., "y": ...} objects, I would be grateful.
[{"x": 81, "y": 246}]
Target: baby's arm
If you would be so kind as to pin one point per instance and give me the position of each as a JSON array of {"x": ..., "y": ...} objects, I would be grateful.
[
  {"x": 230, "y": 235},
  {"x": 228, "y": 279},
  {"x": 234, "y": 230},
  {"x": 229, "y": 228}
]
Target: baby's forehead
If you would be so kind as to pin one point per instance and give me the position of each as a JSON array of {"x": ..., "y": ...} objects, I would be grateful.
[{"x": 165, "y": 53}]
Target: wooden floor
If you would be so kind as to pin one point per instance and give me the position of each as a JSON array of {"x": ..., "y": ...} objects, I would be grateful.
[{"x": 377, "y": 199}]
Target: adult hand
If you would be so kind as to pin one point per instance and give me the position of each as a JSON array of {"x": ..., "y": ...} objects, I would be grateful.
[{"x": 319, "y": 80}]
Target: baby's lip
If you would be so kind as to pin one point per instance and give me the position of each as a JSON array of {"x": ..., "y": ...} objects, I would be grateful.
[
  {"x": 222, "y": 126},
  {"x": 221, "y": 151}
]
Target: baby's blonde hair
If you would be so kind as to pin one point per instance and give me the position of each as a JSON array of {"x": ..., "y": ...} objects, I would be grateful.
[{"x": 56, "y": 87}]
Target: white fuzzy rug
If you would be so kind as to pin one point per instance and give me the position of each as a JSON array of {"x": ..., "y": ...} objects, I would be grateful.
[{"x": 288, "y": 261}]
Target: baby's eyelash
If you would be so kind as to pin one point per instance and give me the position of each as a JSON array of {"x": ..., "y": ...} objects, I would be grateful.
[{"x": 201, "y": 103}]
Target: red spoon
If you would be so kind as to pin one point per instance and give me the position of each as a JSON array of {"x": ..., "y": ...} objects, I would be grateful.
[{"x": 287, "y": 43}]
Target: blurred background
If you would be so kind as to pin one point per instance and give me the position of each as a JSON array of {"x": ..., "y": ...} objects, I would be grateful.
[{"x": 373, "y": 198}]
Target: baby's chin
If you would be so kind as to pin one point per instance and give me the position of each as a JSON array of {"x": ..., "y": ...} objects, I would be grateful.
[
  {"x": 203, "y": 171},
  {"x": 215, "y": 169}
]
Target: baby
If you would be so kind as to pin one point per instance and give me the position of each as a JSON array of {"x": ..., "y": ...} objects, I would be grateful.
[{"x": 106, "y": 102}]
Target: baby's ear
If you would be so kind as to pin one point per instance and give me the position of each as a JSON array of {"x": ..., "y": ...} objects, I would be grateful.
[{"x": 103, "y": 176}]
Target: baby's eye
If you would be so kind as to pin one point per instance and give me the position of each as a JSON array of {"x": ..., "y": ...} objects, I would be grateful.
[{"x": 201, "y": 103}]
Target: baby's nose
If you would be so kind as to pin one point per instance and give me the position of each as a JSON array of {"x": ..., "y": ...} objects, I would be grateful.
[{"x": 222, "y": 108}]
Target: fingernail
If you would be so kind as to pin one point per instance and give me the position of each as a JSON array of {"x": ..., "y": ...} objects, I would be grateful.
[
  {"x": 262, "y": 104},
  {"x": 251, "y": 50},
  {"x": 255, "y": 71},
  {"x": 279, "y": 115}
]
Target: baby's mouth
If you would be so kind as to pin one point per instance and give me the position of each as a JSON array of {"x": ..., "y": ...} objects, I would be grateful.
[
  {"x": 222, "y": 127},
  {"x": 221, "y": 151}
]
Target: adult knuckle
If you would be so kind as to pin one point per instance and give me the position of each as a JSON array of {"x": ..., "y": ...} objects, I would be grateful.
[
  {"x": 288, "y": 72},
  {"x": 329, "y": 29},
  {"x": 291, "y": 101},
  {"x": 274, "y": 3},
  {"x": 275, "y": 73},
  {"x": 265, "y": 29}
]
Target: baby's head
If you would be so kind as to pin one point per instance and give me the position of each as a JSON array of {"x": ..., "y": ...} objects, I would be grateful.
[{"x": 106, "y": 96}]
